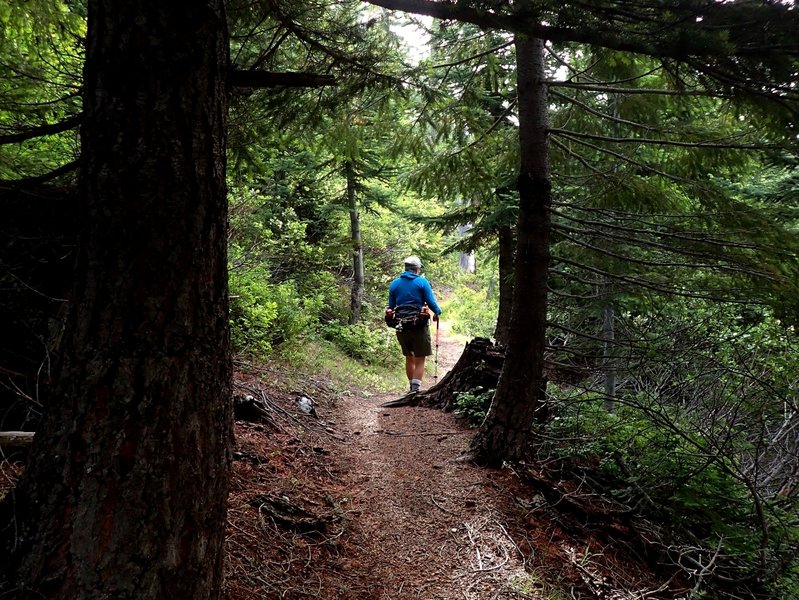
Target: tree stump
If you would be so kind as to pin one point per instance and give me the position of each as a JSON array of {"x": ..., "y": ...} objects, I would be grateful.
[{"x": 478, "y": 367}]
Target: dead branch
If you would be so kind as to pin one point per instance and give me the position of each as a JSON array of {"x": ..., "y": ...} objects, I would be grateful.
[
  {"x": 16, "y": 438},
  {"x": 270, "y": 79},
  {"x": 288, "y": 515}
]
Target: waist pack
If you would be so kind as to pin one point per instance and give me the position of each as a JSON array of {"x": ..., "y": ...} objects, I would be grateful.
[{"x": 407, "y": 317}]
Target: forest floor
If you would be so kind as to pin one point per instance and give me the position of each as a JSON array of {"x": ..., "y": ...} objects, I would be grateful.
[{"x": 365, "y": 502}]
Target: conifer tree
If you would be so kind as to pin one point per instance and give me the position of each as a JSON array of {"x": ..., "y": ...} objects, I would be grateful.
[
  {"x": 714, "y": 45},
  {"x": 125, "y": 492}
]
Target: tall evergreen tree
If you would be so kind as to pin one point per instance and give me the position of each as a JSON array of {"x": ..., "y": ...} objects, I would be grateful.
[
  {"x": 468, "y": 110},
  {"x": 506, "y": 431},
  {"x": 125, "y": 493},
  {"x": 742, "y": 48}
]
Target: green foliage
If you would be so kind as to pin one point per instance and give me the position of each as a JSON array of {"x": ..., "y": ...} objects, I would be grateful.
[
  {"x": 648, "y": 204},
  {"x": 360, "y": 341},
  {"x": 661, "y": 460},
  {"x": 389, "y": 235},
  {"x": 634, "y": 222},
  {"x": 473, "y": 405},
  {"x": 264, "y": 315},
  {"x": 252, "y": 313},
  {"x": 675, "y": 468},
  {"x": 41, "y": 53},
  {"x": 276, "y": 218},
  {"x": 347, "y": 375},
  {"x": 472, "y": 307}
]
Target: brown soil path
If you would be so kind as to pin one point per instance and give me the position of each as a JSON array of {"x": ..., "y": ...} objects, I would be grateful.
[
  {"x": 395, "y": 513},
  {"x": 429, "y": 525}
]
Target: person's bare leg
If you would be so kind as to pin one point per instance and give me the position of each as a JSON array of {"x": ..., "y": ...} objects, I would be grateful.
[
  {"x": 418, "y": 367},
  {"x": 410, "y": 366}
]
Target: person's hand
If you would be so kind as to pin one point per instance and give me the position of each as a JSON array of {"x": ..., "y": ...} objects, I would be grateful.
[
  {"x": 435, "y": 317},
  {"x": 389, "y": 312}
]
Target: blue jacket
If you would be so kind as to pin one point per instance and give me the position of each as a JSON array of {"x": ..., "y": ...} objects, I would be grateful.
[{"x": 410, "y": 288}]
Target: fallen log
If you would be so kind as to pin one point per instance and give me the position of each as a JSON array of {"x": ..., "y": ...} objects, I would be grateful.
[
  {"x": 289, "y": 515},
  {"x": 16, "y": 438}
]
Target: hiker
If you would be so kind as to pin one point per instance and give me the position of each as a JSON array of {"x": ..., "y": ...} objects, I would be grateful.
[{"x": 410, "y": 303}]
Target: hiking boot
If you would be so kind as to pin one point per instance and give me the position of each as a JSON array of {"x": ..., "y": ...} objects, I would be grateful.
[{"x": 415, "y": 388}]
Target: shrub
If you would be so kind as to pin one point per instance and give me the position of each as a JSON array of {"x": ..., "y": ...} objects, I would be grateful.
[
  {"x": 252, "y": 314},
  {"x": 473, "y": 405},
  {"x": 323, "y": 295},
  {"x": 662, "y": 460},
  {"x": 264, "y": 315},
  {"x": 471, "y": 312},
  {"x": 364, "y": 343}
]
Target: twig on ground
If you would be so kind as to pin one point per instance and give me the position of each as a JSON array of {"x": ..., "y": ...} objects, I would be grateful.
[
  {"x": 449, "y": 512},
  {"x": 510, "y": 539},
  {"x": 492, "y": 568}
]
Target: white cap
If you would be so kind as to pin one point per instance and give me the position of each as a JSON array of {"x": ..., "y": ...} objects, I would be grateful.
[{"x": 413, "y": 261}]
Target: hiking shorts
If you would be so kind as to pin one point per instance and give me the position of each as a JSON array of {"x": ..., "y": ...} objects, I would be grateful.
[{"x": 415, "y": 343}]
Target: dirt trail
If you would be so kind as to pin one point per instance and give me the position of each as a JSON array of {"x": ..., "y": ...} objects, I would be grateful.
[
  {"x": 394, "y": 513},
  {"x": 362, "y": 502},
  {"x": 426, "y": 525}
]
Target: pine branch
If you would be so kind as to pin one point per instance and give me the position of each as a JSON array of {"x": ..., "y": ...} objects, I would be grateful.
[
  {"x": 732, "y": 268},
  {"x": 634, "y": 238},
  {"x": 642, "y": 283},
  {"x": 582, "y": 160},
  {"x": 612, "y": 88},
  {"x": 271, "y": 79},
  {"x": 625, "y": 159},
  {"x": 28, "y": 182},
  {"x": 655, "y": 142},
  {"x": 473, "y": 56},
  {"x": 634, "y": 234},
  {"x": 602, "y": 115},
  {"x": 44, "y": 130},
  {"x": 656, "y": 229},
  {"x": 609, "y": 33},
  {"x": 330, "y": 50}
]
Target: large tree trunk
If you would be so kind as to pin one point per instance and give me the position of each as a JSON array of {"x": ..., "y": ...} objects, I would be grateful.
[
  {"x": 358, "y": 278},
  {"x": 125, "y": 493},
  {"x": 519, "y": 400}
]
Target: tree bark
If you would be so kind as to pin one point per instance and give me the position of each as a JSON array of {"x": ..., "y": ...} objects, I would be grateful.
[
  {"x": 478, "y": 368},
  {"x": 502, "y": 330},
  {"x": 125, "y": 493},
  {"x": 519, "y": 400}
]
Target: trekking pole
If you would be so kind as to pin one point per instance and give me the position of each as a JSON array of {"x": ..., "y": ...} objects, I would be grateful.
[{"x": 438, "y": 325}]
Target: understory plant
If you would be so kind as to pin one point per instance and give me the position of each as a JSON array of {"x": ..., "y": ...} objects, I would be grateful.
[
  {"x": 680, "y": 470},
  {"x": 473, "y": 404},
  {"x": 364, "y": 342},
  {"x": 471, "y": 309},
  {"x": 264, "y": 315}
]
